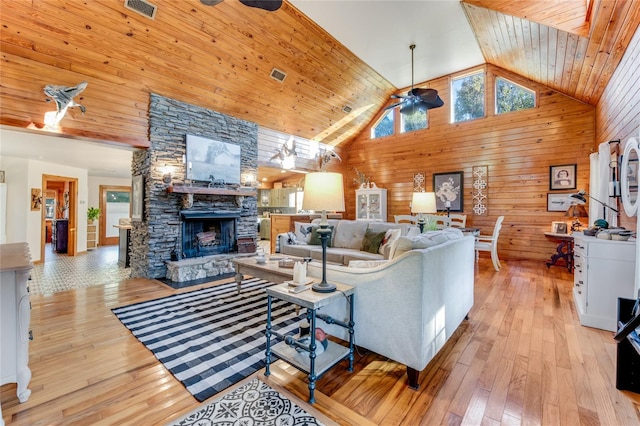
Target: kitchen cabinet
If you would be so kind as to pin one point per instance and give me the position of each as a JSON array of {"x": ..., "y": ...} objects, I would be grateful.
[
  {"x": 371, "y": 204},
  {"x": 603, "y": 271}
]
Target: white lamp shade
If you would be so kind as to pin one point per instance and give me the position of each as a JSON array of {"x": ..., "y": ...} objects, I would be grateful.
[
  {"x": 323, "y": 191},
  {"x": 423, "y": 202}
]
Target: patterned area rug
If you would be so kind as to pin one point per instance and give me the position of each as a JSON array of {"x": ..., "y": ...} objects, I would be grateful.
[
  {"x": 210, "y": 338},
  {"x": 253, "y": 403}
]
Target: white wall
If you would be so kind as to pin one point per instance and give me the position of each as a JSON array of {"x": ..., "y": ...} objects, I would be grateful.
[
  {"x": 26, "y": 225},
  {"x": 94, "y": 197}
]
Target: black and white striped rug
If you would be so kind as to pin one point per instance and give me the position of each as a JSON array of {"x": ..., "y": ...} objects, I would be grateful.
[{"x": 210, "y": 338}]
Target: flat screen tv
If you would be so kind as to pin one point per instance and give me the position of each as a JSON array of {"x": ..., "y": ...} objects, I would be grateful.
[{"x": 209, "y": 159}]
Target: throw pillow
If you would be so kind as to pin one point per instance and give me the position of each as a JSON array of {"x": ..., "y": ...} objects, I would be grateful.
[
  {"x": 371, "y": 241},
  {"x": 314, "y": 240},
  {"x": 426, "y": 239},
  {"x": 389, "y": 238},
  {"x": 303, "y": 232},
  {"x": 291, "y": 238}
]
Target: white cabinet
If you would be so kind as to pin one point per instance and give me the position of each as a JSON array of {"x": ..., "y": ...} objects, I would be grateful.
[
  {"x": 15, "y": 315},
  {"x": 604, "y": 270},
  {"x": 371, "y": 204}
]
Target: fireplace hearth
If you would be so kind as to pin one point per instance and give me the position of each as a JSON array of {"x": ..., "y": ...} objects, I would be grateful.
[{"x": 209, "y": 232}]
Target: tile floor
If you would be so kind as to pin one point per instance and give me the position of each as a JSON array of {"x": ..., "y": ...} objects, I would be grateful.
[{"x": 60, "y": 272}]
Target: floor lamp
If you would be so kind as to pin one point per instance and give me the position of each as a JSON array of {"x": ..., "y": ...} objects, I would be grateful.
[
  {"x": 323, "y": 191},
  {"x": 421, "y": 203}
]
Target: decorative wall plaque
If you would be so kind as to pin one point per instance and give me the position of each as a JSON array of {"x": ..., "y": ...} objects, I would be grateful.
[
  {"x": 418, "y": 182},
  {"x": 480, "y": 189}
]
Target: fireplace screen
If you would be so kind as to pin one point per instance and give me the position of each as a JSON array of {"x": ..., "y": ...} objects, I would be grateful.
[{"x": 206, "y": 233}]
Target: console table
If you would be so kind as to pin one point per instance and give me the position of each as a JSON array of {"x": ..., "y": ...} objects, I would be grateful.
[
  {"x": 564, "y": 250},
  {"x": 307, "y": 361}
]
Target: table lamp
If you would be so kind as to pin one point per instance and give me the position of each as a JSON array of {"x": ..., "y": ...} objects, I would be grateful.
[
  {"x": 581, "y": 199},
  {"x": 576, "y": 211},
  {"x": 421, "y": 203},
  {"x": 323, "y": 191}
]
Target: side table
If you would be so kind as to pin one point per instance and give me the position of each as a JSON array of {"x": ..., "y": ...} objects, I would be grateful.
[
  {"x": 315, "y": 365},
  {"x": 564, "y": 250}
]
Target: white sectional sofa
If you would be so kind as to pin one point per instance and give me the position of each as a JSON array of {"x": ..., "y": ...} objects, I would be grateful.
[
  {"x": 346, "y": 241},
  {"x": 408, "y": 307}
]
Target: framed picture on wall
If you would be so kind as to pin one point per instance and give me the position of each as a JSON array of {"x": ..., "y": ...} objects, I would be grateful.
[
  {"x": 449, "y": 188},
  {"x": 562, "y": 177},
  {"x": 558, "y": 202},
  {"x": 137, "y": 198}
]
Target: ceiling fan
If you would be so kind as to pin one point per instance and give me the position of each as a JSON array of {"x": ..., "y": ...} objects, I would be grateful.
[
  {"x": 269, "y": 5},
  {"x": 417, "y": 99}
]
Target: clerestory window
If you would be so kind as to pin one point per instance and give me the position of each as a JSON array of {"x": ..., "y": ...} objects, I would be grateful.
[
  {"x": 384, "y": 126},
  {"x": 467, "y": 97},
  {"x": 513, "y": 97},
  {"x": 417, "y": 120}
]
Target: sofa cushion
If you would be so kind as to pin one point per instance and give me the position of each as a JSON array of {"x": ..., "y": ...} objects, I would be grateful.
[
  {"x": 360, "y": 255},
  {"x": 389, "y": 238},
  {"x": 366, "y": 263},
  {"x": 426, "y": 239},
  {"x": 349, "y": 234},
  {"x": 371, "y": 241},
  {"x": 300, "y": 250},
  {"x": 303, "y": 232},
  {"x": 315, "y": 236}
]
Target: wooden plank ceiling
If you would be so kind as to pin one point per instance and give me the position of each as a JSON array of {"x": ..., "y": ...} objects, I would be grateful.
[{"x": 221, "y": 58}]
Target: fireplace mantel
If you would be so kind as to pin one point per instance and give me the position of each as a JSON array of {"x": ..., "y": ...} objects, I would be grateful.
[{"x": 183, "y": 189}]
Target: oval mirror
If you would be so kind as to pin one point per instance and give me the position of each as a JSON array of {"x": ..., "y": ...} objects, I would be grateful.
[{"x": 629, "y": 177}]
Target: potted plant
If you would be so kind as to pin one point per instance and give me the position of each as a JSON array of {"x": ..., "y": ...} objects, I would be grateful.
[{"x": 92, "y": 214}]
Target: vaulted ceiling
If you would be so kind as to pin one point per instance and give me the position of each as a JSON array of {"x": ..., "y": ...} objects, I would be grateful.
[{"x": 221, "y": 58}]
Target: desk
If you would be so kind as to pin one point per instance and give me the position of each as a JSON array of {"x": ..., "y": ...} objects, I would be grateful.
[{"x": 564, "y": 250}]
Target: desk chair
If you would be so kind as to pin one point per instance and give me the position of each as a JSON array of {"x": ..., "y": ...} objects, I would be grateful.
[{"x": 490, "y": 243}]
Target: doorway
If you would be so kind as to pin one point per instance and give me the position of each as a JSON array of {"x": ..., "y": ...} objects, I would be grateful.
[
  {"x": 115, "y": 204},
  {"x": 63, "y": 194}
]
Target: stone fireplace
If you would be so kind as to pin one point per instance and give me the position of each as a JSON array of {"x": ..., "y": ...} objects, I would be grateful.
[{"x": 207, "y": 225}]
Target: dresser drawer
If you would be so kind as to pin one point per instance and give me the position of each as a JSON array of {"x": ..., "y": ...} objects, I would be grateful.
[{"x": 615, "y": 250}]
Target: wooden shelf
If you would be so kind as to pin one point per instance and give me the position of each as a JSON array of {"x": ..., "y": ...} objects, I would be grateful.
[{"x": 211, "y": 191}]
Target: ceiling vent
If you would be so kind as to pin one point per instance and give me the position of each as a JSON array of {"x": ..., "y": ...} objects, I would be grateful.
[
  {"x": 276, "y": 74},
  {"x": 142, "y": 7},
  {"x": 347, "y": 109}
]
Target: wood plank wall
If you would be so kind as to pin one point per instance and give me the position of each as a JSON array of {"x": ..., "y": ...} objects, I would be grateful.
[
  {"x": 618, "y": 112},
  {"x": 517, "y": 147}
]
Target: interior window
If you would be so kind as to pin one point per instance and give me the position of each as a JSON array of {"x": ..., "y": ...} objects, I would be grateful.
[
  {"x": 467, "y": 97},
  {"x": 384, "y": 126},
  {"x": 512, "y": 97}
]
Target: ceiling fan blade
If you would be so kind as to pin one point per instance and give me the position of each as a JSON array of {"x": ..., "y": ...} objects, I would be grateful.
[
  {"x": 426, "y": 94},
  {"x": 211, "y": 2},
  {"x": 395, "y": 105},
  {"x": 399, "y": 97},
  {"x": 269, "y": 5}
]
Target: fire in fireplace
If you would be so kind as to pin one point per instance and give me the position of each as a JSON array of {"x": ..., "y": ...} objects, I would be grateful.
[{"x": 208, "y": 232}]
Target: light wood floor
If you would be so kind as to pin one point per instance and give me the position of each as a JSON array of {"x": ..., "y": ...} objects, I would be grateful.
[{"x": 522, "y": 358}]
